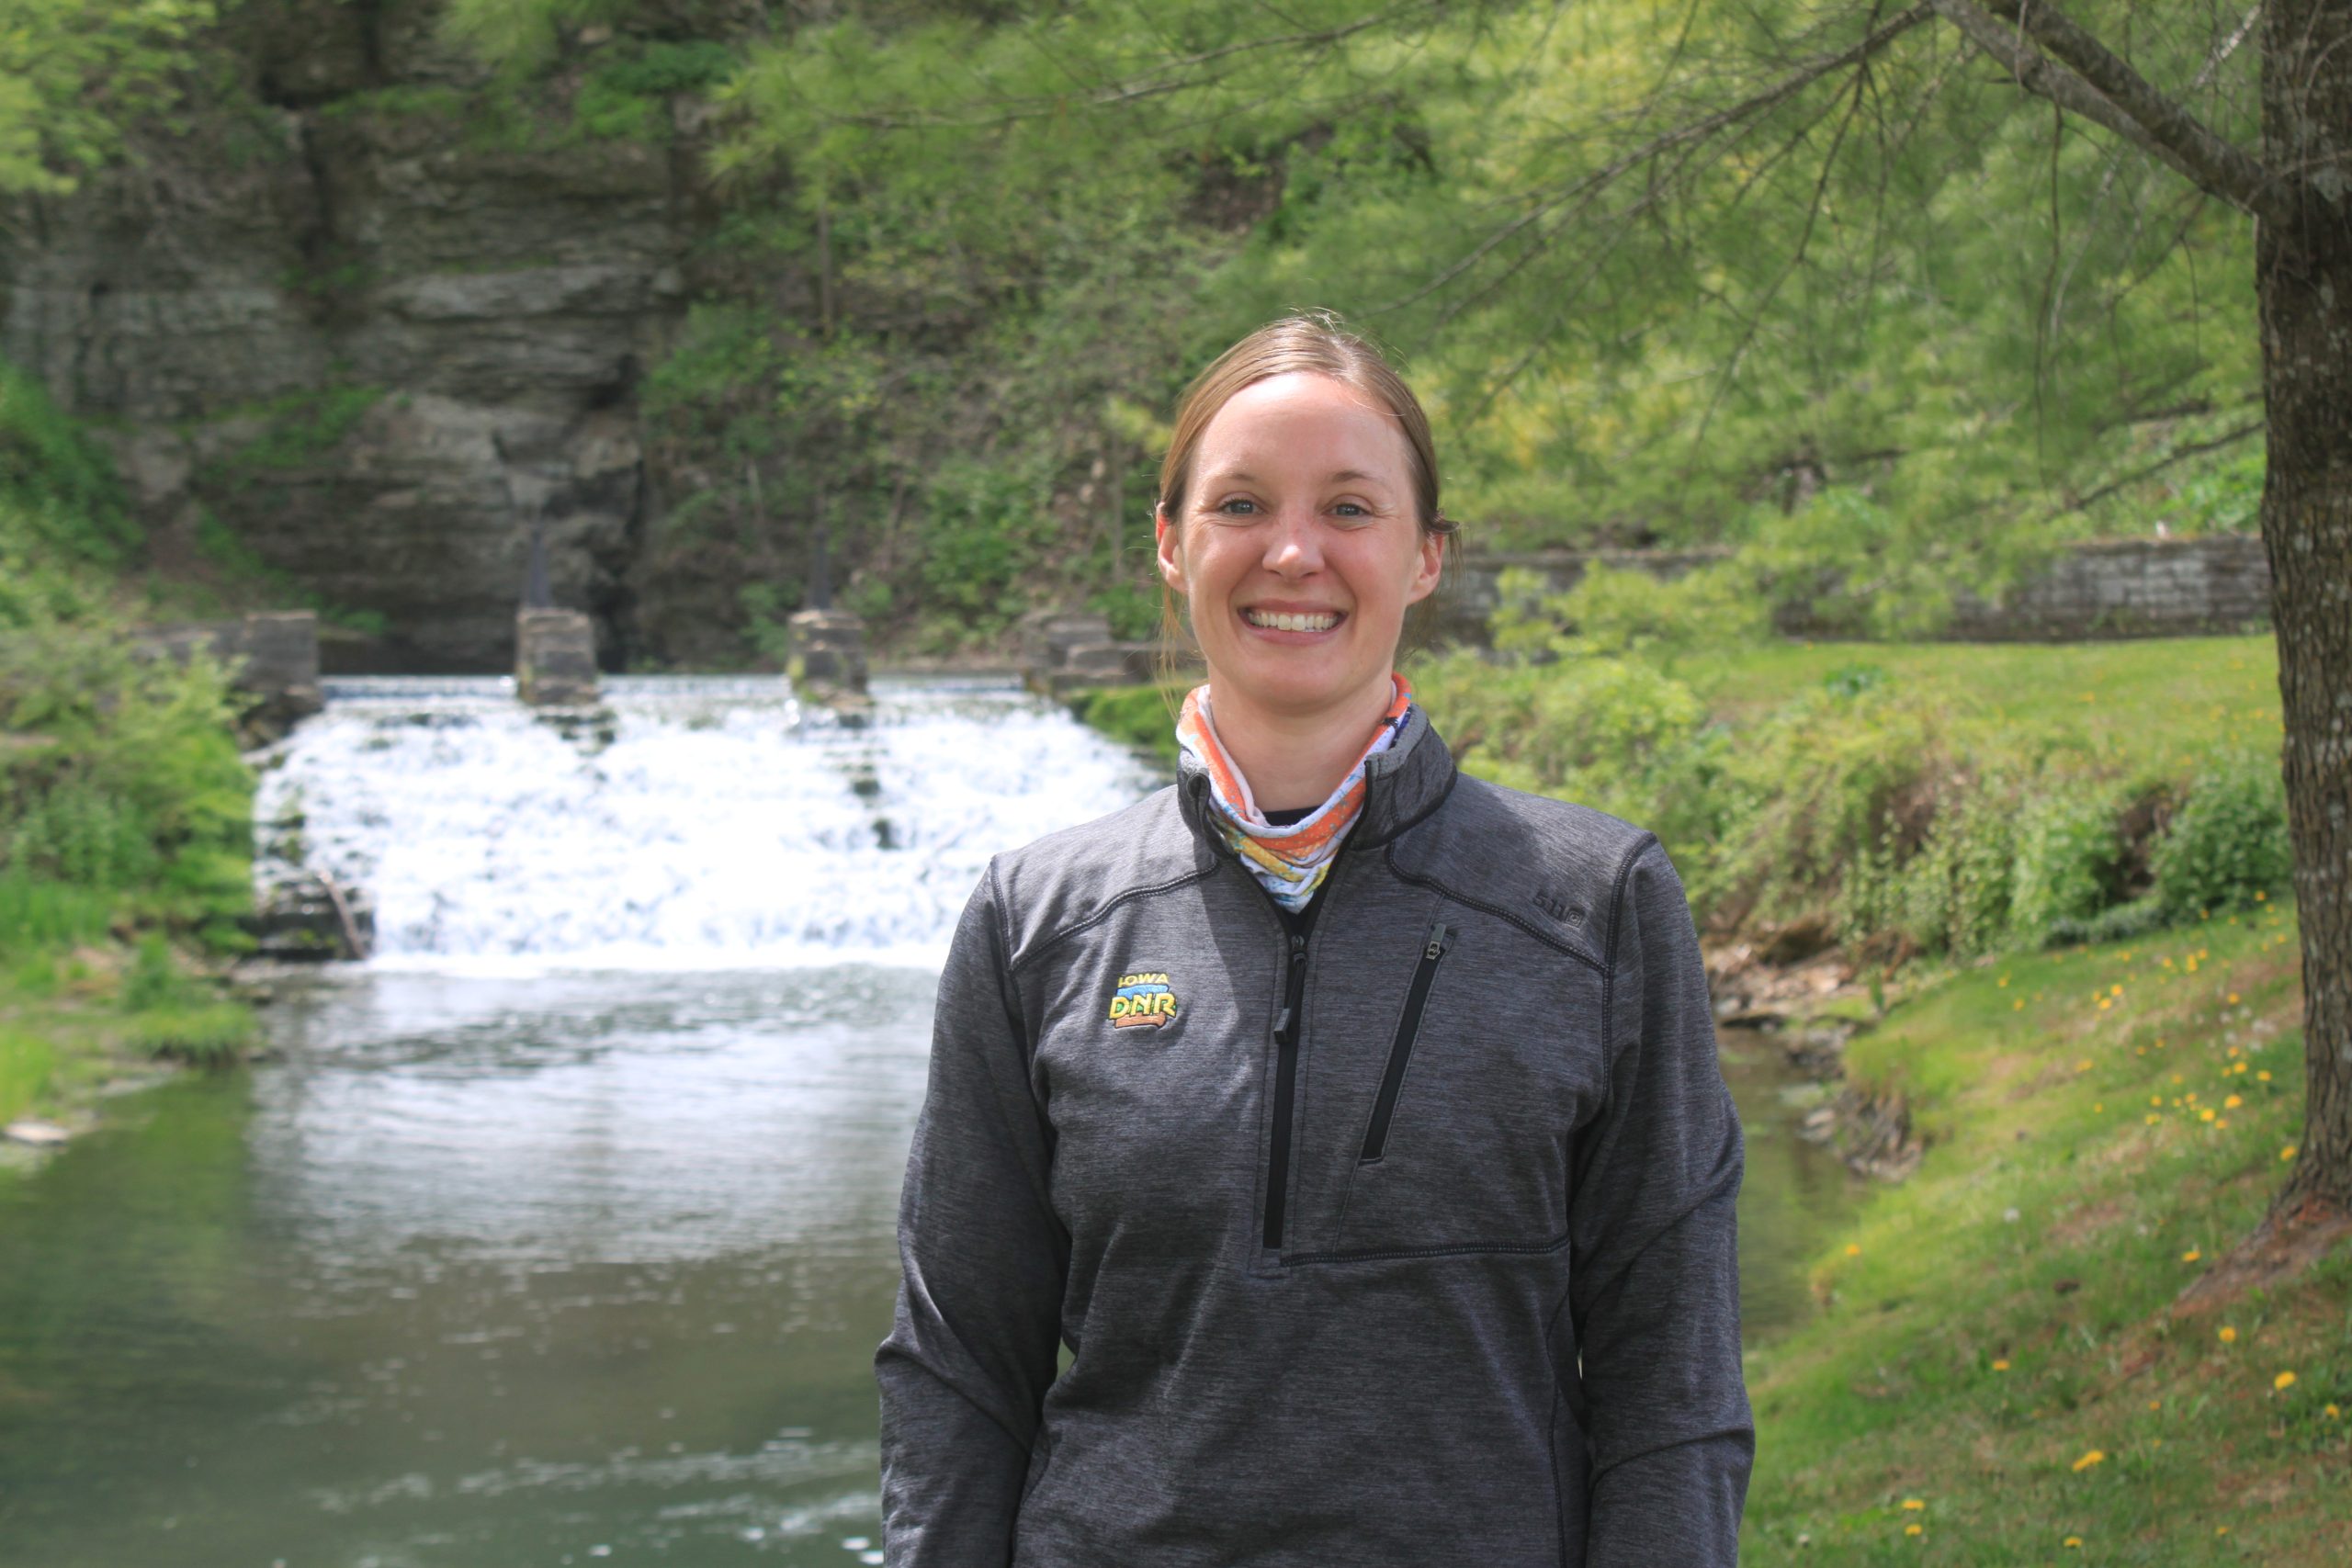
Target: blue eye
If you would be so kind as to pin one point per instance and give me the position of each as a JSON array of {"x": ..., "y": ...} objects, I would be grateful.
[
  {"x": 1230, "y": 505},
  {"x": 1352, "y": 509}
]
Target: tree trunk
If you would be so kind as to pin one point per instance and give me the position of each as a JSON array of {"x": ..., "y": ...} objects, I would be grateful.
[{"x": 2304, "y": 285}]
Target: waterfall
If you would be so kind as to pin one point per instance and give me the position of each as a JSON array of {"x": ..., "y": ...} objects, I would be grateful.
[{"x": 694, "y": 822}]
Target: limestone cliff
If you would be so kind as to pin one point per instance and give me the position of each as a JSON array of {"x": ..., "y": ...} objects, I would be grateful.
[{"x": 333, "y": 322}]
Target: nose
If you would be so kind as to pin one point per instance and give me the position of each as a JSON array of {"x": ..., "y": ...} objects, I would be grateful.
[{"x": 1295, "y": 545}]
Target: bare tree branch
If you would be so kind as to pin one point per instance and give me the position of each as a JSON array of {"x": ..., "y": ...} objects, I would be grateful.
[
  {"x": 2176, "y": 454},
  {"x": 2081, "y": 79}
]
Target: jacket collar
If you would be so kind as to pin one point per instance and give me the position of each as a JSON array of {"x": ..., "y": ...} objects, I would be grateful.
[{"x": 1402, "y": 784}]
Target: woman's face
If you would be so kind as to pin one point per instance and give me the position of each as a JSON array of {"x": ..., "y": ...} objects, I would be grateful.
[{"x": 1299, "y": 549}]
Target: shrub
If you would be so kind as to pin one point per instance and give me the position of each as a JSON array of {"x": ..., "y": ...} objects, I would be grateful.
[
  {"x": 2229, "y": 839},
  {"x": 2067, "y": 854}
]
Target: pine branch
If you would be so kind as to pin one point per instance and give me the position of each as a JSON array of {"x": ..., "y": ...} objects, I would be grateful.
[{"x": 2081, "y": 75}]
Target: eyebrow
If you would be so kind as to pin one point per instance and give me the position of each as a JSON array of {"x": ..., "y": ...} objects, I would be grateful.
[{"x": 1344, "y": 476}]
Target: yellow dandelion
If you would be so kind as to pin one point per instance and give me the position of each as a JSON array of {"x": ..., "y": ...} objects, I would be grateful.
[
  {"x": 2002, "y": 981},
  {"x": 2223, "y": 1122},
  {"x": 2098, "y": 1107},
  {"x": 2083, "y": 1067},
  {"x": 2191, "y": 1255},
  {"x": 2234, "y": 998},
  {"x": 2259, "y": 895},
  {"x": 2153, "y": 1117},
  {"x": 2017, "y": 1006},
  {"x": 1913, "y": 1503},
  {"x": 2155, "y": 1099},
  {"x": 2206, "y": 1115},
  {"x": 1914, "y": 1529},
  {"x": 2156, "y": 1404},
  {"x": 2095, "y": 1457},
  {"x": 2287, "y": 1153},
  {"x": 2283, "y": 1382},
  {"x": 2001, "y": 1366},
  {"x": 1853, "y": 1250},
  {"x": 2331, "y": 1412},
  {"x": 2103, "y": 1004},
  {"x": 2220, "y": 1529},
  {"x": 2264, "y": 1075},
  {"x": 2229, "y": 1335},
  {"x": 2073, "y": 1541},
  {"x": 2115, "y": 990},
  {"x": 2232, "y": 1103}
]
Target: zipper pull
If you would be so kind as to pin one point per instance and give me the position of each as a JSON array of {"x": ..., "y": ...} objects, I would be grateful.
[{"x": 1438, "y": 943}]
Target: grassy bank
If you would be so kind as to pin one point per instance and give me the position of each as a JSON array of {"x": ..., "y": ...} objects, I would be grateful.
[
  {"x": 1994, "y": 1377},
  {"x": 77, "y": 1024},
  {"x": 125, "y": 810}
]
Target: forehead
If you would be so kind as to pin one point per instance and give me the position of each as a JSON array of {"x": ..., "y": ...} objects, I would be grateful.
[{"x": 1303, "y": 420}]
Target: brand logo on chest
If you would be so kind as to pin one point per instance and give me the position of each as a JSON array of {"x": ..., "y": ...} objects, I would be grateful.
[{"x": 1143, "y": 1000}]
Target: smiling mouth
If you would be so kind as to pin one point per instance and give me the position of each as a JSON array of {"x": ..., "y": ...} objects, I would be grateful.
[{"x": 1276, "y": 622}]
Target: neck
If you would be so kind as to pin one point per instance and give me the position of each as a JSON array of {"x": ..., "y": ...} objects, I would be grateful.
[{"x": 1295, "y": 761}]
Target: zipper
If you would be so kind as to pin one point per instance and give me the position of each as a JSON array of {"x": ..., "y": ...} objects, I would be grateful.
[
  {"x": 1286, "y": 1089},
  {"x": 1400, "y": 1050}
]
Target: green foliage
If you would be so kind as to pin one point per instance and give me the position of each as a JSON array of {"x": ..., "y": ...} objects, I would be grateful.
[
  {"x": 297, "y": 430},
  {"x": 764, "y": 622},
  {"x": 2228, "y": 840},
  {"x": 204, "y": 1035},
  {"x": 27, "y": 1058},
  {"x": 1141, "y": 717},
  {"x": 988, "y": 529},
  {"x": 142, "y": 799},
  {"x": 1958, "y": 890},
  {"x": 2067, "y": 854},
  {"x": 625, "y": 96},
  {"x": 1890, "y": 808},
  {"x": 74, "y": 74},
  {"x": 37, "y": 913}
]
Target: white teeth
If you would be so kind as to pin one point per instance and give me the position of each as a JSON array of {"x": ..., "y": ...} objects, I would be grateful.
[{"x": 1280, "y": 622}]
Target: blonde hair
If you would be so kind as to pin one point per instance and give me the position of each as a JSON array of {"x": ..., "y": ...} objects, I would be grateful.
[{"x": 1310, "y": 341}]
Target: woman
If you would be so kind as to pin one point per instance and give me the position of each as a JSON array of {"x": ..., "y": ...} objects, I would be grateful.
[{"x": 1356, "y": 1123}]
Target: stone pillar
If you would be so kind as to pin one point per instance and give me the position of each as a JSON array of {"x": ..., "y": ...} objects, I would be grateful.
[
  {"x": 281, "y": 649},
  {"x": 828, "y": 654},
  {"x": 555, "y": 657}
]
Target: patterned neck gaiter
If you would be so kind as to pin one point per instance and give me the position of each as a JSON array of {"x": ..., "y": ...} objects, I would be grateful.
[{"x": 1290, "y": 862}]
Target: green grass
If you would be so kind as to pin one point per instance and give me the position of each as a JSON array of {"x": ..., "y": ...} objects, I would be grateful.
[
  {"x": 2137, "y": 706},
  {"x": 75, "y": 1021},
  {"x": 2036, "y": 1098}
]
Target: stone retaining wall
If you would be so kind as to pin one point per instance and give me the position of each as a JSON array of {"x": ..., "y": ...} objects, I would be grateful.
[{"x": 2099, "y": 589}]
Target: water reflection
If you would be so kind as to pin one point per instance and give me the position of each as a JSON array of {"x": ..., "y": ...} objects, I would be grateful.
[{"x": 480, "y": 1273}]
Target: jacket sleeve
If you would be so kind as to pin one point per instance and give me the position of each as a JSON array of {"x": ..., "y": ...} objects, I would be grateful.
[
  {"x": 1654, "y": 1270},
  {"x": 976, "y": 1336}
]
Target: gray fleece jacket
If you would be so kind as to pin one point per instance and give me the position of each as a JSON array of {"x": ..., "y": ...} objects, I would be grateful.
[{"x": 1397, "y": 1238}]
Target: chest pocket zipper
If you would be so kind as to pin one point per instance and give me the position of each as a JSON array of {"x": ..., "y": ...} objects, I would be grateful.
[{"x": 1400, "y": 1050}]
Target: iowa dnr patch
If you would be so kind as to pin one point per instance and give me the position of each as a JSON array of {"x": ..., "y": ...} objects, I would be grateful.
[{"x": 1142, "y": 1002}]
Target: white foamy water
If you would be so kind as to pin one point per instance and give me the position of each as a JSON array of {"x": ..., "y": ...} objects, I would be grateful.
[{"x": 708, "y": 823}]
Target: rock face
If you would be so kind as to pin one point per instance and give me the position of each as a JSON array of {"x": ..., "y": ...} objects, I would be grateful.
[{"x": 339, "y": 327}]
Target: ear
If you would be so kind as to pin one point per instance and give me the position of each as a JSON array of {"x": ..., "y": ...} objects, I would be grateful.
[
  {"x": 1430, "y": 567},
  {"x": 1171, "y": 549}
]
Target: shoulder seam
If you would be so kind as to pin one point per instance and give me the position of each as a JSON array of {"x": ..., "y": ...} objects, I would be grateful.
[
  {"x": 1609, "y": 971},
  {"x": 1104, "y": 913}
]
